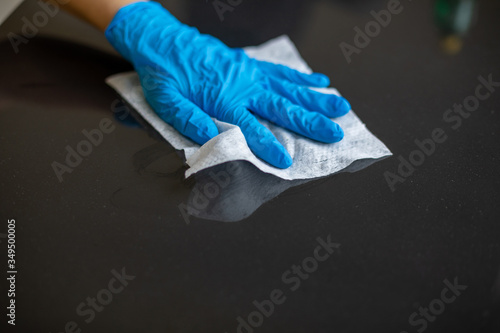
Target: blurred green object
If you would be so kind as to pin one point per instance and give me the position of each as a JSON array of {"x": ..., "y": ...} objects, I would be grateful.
[{"x": 454, "y": 17}]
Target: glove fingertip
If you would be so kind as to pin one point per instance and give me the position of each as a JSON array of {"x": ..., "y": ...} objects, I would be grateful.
[
  {"x": 272, "y": 151},
  {"x": 283, "y": 160},
  {"x": 346, "y": 106},
  {"x": 206, "y": 132},
  {"x": 337, "y": 133},
  {"x": 342, "y": 107},
  {"x": 326, "y": 130},
  {"x": 320, "y": 80},
  {"x": 277, "y": 155}
]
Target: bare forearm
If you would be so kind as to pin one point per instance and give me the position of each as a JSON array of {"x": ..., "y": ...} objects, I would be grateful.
[{"x": 99, "y": 13}]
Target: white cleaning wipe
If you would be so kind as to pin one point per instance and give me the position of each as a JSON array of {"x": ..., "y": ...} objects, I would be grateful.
[{"x": 311, "y": 159}]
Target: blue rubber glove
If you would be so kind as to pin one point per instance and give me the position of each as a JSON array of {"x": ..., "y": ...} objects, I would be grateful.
[{"x": 188, "y": 77}]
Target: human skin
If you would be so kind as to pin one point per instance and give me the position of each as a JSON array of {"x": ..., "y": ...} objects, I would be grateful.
[{"x": 99, "y": 13}]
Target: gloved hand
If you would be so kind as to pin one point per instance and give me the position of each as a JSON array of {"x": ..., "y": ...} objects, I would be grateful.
[{"x": 188, "y": 77}]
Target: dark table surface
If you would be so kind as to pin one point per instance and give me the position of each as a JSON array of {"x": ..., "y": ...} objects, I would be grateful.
[{"x": 395, "y": 252}]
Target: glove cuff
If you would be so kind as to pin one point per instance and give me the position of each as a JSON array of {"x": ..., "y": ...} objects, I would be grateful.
[{"x": 128, "y": 25}]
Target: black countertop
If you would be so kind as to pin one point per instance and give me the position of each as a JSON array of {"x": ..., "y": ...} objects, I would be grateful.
[{"x": 394, "y": 251}]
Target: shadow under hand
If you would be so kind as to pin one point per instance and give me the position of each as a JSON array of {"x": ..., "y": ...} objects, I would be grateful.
[
  {"x": 228, "y": 192},
  {"x": 233, "y": 191}
]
